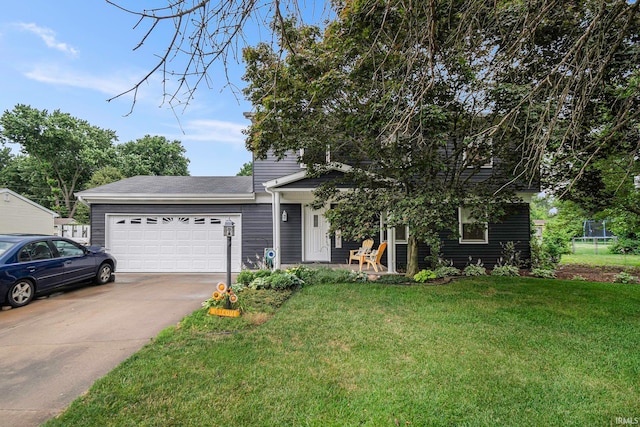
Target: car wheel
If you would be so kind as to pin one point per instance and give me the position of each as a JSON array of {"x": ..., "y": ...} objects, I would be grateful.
[
  {"x": 104, "y": 274},
  {"x": 21, "y": 293}
]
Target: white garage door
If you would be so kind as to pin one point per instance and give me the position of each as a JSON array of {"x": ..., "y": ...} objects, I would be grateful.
[{"x": 178, "y": 243}]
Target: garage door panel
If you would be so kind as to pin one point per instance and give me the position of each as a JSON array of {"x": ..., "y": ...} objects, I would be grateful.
[{"x": 179, "y": 243}]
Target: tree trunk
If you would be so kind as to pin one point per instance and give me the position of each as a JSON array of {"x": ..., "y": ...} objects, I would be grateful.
[{"x": 412, "y": 256}]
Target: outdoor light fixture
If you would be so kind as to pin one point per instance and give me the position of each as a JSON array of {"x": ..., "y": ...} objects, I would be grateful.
[
  {"x": 229, "y": 228},
  {"x": 285, "y": 217}
]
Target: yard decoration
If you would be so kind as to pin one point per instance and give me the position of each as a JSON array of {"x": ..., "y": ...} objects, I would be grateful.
[{"x": 222, "y": 302}]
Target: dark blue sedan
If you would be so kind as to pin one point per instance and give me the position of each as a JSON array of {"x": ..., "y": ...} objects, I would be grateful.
[{"x": 36, "y": 265}]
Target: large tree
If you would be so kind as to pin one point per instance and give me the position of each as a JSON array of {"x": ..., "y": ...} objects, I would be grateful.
[
  {"x": 67, "y": 150},
  {"x": 152, "y": 155}
]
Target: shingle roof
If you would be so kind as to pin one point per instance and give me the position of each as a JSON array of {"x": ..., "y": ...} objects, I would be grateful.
[
  {"x": 177, "y": 185},
  {"x": 173, "y": 187}
]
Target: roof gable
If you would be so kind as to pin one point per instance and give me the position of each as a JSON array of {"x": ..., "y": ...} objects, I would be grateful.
[{"x": 6, "y": 191}]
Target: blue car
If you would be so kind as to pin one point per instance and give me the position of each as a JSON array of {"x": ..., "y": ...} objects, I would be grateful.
[{"x": 36, "y": 265}]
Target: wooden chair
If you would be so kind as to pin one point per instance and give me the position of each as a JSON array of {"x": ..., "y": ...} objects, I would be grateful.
[
  {"x": 373, "y": 257},
  {"x": 357, "y": 254}
]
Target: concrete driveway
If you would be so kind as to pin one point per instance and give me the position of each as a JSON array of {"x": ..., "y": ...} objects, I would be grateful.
[{"x": 54, "y": 349}]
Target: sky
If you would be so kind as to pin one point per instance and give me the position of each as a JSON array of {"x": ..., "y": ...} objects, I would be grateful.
[{"x": 72, "y": 56}]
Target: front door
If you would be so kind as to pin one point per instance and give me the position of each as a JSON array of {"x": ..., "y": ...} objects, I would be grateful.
[{"x": 317, "y": 245}]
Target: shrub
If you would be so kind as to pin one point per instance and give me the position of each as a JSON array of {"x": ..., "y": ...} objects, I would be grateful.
[
  {"x": 259, "y": 283},
  {"x": 282, "y": 280},
  {"x": 511, "y": 254},
  {"x": 505, "y": 270},
  {"x": 446, "y": 271},
  {"x": 624, "y": 277},
  {"x": 476, "y": 269},
  {"x": 395, "y": 279},
  {"x": 424, "y": 275},
  {"x": 544, "y": 273},
  {"x": 625, "y": 246},
  {"x": 262, "y": 273},
  {"x": 245, "y": 277}
]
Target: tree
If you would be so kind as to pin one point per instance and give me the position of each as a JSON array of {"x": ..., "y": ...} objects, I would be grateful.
[
  {"x": 152, "y": 155},
  {"x": 338, "y": 94},
  {"x": 67, "y": 149},
  {"x": 246, "y": 169}
]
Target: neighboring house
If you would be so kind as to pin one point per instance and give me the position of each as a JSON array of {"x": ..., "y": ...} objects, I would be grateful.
[
  {"x": 21, "y": 215},
  {"x": 174, "y": 224}
]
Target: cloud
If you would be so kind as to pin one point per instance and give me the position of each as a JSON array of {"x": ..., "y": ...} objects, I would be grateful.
[
  {"x": 213, "y": 131},
  {"x": 52, "y": 74},
  {"x": 48, "y": 36}
]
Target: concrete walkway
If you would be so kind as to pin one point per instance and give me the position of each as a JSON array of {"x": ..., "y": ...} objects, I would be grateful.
[{"x": 54, "y": 349}]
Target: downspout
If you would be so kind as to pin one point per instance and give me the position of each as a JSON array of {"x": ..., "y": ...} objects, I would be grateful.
[{"x": 275, "y": 221}]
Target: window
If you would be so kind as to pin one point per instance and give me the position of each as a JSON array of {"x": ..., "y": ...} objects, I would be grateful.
[
  {"x": 314, "y": 156},
  {"x": 35, "y": 251},
  {"x": 402, "y": 233},
  {"x": 66, "y": 249},
  {"x": 477, "y": 152},
  {"x": 472, "y": 231}
]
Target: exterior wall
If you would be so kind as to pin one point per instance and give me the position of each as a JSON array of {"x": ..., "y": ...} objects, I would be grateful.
[
  {"x": 270, "y": 168},
  {"x": 514, "y": 228},
  {"x": 256, "y": 222},
  {"x": 19, "y": 216}
]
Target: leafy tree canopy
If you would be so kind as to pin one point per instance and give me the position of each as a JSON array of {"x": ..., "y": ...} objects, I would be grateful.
[
  {"x": 246, "y": 169},
  {"x": 152, "y": 155},
  {"x": 67, "y": 151}
]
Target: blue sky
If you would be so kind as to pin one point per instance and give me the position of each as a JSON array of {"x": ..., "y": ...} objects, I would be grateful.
[{"x": 73, "y": 55}]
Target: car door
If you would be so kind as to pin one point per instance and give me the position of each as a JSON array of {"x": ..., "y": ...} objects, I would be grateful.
[
  {"x": 38, "y": 261},
  {"x": 79, "y": 264}
]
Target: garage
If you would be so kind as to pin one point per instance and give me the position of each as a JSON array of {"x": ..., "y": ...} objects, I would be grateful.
[{"x": 172, "y": 243}]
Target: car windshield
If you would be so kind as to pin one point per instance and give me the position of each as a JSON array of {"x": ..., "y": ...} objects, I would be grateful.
[{"x": 4, "y": 246}]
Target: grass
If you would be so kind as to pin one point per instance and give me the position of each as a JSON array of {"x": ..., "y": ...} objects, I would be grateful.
[
  {"x": 585, "y": 253},
  {"x": 480, "y": 351}
]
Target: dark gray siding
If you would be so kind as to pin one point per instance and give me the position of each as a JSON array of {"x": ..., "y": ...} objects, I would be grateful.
[
  {"x": 315, "y": 182},
  {"x": 291, "y": 234},
  {"x": 270, "y": 168},
  {"x": 256, "y": 222},
  {"x": 514, "y": 228}
]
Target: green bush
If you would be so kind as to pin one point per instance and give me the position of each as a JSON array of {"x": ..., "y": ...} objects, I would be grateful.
[
  {"x": 424, "y": 275},
  {"x": 282, "y": 280},
  {"x": 543, "y": 273},
  {"x": 446, "y": 271},
  {"x": 505, "y": 270},
  {"x": 475, "y": 269},
  {"x": 245, "y": 277},
  {"x": 395, "y": 279},
  {"x": 625, "y": 246},
  {"x": 624, "y": 277}
]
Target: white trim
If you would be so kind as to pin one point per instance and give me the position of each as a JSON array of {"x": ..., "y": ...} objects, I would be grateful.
[
  {"x": 298, "y": 176},
  {"x": 163, "y": 198},
  {"x": 471, "y": 242}
]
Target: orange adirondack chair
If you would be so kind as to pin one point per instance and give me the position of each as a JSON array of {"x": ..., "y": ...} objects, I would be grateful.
[
  {"x": 357, "y": 254},
  {"x": 373, "y": 257}
]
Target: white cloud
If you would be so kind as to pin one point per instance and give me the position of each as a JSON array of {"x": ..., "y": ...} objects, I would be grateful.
[
  {"x": 48, "y": 36},
  {"x": 213, "y": 131},
  {"x": 49, "y": 73}
]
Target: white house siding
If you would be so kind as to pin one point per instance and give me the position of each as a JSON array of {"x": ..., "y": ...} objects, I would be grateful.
[{"x": 18, "y": 215}]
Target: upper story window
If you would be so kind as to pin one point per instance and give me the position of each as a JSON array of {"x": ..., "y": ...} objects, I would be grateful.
[
  {"x": 477, "y": 152},
  {"x": 401, "y": 234},
  {"x": 471, "y": 230},
  {"x": 317, "y": 156}
]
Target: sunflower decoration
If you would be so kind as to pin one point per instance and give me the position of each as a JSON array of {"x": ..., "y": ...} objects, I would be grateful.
[{"x": 223, "y": 297}]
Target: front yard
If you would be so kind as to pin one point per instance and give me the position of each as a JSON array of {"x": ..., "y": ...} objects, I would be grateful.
[{"x": 485, "y": 351}]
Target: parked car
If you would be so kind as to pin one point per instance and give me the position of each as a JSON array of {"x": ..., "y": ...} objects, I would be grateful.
[{"x": 32, "y": 265}]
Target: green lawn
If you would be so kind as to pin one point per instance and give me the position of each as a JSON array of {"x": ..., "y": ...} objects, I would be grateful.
[
  {"x": 587, "y": 253},
  {"x": 486, "y": 351}
]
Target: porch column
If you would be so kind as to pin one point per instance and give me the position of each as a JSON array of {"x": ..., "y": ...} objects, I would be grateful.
[
  {"x": 276, "y": 228},
  {"x": 391, "y": 250}
]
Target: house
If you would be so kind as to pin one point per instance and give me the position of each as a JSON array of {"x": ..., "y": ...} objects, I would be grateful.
[
  {"x": 18, "y": 214},
  {"x": 174, "y": 223}
]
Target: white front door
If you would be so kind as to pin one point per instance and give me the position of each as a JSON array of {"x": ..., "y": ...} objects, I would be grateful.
[{"x": 317, "y": 245}]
